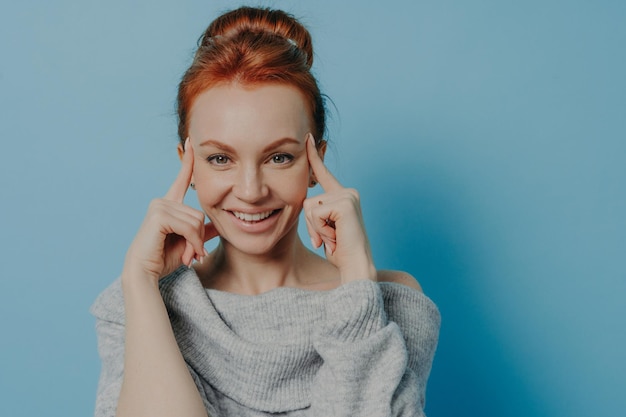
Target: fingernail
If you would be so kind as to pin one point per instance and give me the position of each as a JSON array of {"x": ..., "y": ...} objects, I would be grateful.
[
  {"x": 205, "y": 252},
  {"x": 186, "y": 143}
]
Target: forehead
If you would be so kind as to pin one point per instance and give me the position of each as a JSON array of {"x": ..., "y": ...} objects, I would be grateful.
[{"x": 231, "y": 111}]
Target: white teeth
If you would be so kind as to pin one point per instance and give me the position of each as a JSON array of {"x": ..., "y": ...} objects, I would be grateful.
[{"x": 252, "y": 217}]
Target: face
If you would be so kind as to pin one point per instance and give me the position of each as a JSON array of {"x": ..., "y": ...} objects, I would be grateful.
[{"x": 250, "y": 165}]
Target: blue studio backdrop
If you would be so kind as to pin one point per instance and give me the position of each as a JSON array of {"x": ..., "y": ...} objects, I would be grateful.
[{"x": 487, "y": 139}]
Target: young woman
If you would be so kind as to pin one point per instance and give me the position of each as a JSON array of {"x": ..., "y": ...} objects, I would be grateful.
[{"x": 261, "y": 325}]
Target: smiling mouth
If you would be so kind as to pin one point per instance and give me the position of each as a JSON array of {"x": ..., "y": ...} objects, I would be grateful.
[{"x": 253, "y": 217}]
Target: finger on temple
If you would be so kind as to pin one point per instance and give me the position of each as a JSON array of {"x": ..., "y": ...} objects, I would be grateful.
[
  {"x": 179, "y": 188},
  {"x": 322, "y": 174}
]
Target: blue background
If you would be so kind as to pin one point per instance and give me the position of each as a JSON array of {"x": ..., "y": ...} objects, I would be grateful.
[{"x": 487, "y": 138}]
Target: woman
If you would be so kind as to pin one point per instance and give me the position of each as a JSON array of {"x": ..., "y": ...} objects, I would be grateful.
[{"x": 261, "y": 325}]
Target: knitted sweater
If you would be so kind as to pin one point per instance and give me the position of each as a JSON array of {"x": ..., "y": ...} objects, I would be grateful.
[{"x": 362, "y": 349}]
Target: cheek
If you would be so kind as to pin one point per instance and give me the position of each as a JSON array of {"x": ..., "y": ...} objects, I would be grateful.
[
  {"x": 292, "y": 186},
  {"x": 210, "y": 189}
]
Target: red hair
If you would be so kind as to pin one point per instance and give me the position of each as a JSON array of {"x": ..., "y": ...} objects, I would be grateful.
[{"x": 253, "y": 46}]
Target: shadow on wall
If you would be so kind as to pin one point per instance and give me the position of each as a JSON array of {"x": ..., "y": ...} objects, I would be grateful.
[{"x": 418, "y": 220}]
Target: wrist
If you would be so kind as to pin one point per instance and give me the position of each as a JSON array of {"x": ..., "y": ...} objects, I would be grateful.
[
  {"x": 363, "y": 270},
  {"x": 134, "y": 276}
]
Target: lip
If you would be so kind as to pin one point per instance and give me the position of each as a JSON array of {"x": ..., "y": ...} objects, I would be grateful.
[{"x": 254, "y": 226}]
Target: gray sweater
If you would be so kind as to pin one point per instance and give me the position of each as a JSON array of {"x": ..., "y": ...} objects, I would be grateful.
[{"x": 363, "y": 349}]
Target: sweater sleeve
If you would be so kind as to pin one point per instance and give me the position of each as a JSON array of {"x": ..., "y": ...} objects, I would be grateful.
[{"x": 365, "y": 370}]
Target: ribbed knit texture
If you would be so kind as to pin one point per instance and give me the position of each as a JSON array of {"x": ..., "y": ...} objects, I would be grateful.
[{"x": 363, "y": 348}]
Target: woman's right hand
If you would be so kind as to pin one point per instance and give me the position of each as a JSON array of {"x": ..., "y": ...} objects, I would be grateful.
[{"x": 172, "y": 233}]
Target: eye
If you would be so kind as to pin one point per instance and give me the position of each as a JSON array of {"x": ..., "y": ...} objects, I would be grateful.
[
  {"x": 218, "y": 159},
  {"x": 281, "y": 158}
]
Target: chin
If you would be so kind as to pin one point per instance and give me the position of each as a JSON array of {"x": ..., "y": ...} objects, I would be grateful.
[{"x": 253, "y": 245}]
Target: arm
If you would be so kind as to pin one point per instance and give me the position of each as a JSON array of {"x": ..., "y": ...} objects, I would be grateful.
[
  {"x": 156, "y": 380},
  {"x": 365, "y": 370},
  {"x": 108, "y": 310}
]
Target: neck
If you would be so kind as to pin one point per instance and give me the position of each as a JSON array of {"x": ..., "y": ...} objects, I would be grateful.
[{"x": 244, "y": 273}]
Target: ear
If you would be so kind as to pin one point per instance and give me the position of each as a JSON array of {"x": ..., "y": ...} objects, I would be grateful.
[{"x": 321, "y": 151}]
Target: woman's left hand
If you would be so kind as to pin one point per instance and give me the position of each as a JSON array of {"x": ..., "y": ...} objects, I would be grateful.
[{"x": 335, "y": 220}]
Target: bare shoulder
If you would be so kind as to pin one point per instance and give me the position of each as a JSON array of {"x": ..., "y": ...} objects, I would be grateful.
[{"x": 399, "y": 277}]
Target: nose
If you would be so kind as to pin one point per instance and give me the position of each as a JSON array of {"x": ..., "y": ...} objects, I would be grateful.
[{"x": 249, "y": 185}]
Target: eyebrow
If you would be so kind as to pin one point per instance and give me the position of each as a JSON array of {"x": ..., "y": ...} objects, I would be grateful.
[{"x": 227, "y": 148}]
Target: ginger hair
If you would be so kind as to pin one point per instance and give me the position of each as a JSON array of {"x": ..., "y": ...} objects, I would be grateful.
[{"x": 252, "y": 46}]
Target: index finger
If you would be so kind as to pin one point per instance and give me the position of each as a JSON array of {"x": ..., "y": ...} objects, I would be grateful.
[
  {"x": 179, "y": 188},
  {"x": 328, "y": 182}
]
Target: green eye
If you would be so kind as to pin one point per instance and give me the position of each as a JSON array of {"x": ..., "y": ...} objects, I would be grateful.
[
  {"x": 218, "y": 159},
  {"x": 282, "y": 158}
]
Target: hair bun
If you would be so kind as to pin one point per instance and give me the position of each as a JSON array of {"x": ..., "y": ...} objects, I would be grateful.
[
  {"x": 251, "y": 46},
  {"x": 261, "y": 20}
]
